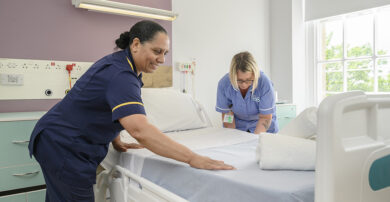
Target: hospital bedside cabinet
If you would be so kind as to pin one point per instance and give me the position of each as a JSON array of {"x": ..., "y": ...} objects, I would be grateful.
[
  {"x": 21, "y": 176},
  {"x": 285, "y": 113},
  {"x": 33, "y": 196}
]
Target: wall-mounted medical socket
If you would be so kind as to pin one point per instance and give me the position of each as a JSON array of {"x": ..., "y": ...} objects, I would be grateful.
[
  {"x": 29, "y": 79},
  {"x": 188, "y": 66}
]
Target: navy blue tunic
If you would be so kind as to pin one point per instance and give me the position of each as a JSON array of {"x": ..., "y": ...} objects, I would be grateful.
[{"x": 80, "y": 127}]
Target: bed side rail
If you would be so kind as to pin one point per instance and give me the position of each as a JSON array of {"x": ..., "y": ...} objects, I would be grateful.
[{"x": 129, "y": 187}]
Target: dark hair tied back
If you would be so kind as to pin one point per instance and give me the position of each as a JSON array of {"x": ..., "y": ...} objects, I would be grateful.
[
  {"x": 144, "y": 30},
  {"x": 123, "y": 40}
]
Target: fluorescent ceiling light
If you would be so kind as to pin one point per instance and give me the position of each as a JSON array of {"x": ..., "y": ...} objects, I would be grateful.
[{"x": 118, "y": 8}]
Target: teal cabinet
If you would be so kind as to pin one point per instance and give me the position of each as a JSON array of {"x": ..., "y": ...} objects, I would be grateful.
[
  {"x": 36, "y": 196},
  {"x": 17, "y": 169},
  {"x": 21, "y": 176},
  {"x": 14, "y": 198},
  {"x": 15, "y": 136},
  {"x": 285, "y": 113}
]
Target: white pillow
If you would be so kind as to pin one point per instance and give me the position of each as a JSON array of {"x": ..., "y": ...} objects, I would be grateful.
[
  {"x": 170, "y": 110},
  {"x": 304, "y": 125},
  {"x": 282, "y": 152}
]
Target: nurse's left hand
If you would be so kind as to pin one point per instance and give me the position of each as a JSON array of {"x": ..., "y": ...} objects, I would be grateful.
[{"x": 122, "y": 146}]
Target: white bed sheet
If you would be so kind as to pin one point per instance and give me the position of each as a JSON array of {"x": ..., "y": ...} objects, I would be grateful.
[
  {"x": 247, "y": 183},
  {"x": 194, "y": 139}
]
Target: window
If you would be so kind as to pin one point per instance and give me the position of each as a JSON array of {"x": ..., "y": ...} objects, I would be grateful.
[{"x": 354, "y": 53}]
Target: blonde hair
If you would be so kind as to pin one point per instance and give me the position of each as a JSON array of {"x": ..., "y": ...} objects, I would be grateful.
[{"x": 244, "y": 62}]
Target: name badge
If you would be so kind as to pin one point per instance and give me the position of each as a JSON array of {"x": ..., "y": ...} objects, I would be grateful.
[{"x": 228, "y": 118}]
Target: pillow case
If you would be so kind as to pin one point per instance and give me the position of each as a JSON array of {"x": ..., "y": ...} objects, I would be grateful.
[
  {"x": 304, "y": 125},
  {"x": 282, "y": 152},
  {"x": 170, "y": 110}
]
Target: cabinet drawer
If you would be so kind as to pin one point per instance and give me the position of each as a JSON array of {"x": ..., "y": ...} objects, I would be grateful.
[
  {"x": 14, "y": 137},
  {"x": 20, "y": 177},
  {"x": 283, "y": 121},
  {"x": 285, "y": 111},
  {"x": 36, "y": 196},
  {"x": 14, "y": 198}
]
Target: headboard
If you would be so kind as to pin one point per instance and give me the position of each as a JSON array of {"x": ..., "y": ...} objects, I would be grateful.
[{"x": 160, "y": 78}]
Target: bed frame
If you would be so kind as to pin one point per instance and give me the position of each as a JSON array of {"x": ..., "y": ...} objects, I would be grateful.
[
  {"x": 353, "y": 148},
  {"x": 353, "y": 155}
]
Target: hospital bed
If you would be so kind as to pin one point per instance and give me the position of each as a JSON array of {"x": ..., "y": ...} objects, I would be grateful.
[{"x": 353, "y": 157}]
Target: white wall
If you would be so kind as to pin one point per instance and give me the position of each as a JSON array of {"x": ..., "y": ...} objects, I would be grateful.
[
  {"x": 212, "y": 32},
  {"x": 299, "y": 71},
  {"x": 281, "y": 47},
  {"x": 288, "y": 43}
]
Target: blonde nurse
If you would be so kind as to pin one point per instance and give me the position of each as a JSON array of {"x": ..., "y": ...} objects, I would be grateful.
[{"x": 245, "y": 97}]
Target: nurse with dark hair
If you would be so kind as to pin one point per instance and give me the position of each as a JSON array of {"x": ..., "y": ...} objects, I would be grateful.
[{"x": 72, "y": 138}]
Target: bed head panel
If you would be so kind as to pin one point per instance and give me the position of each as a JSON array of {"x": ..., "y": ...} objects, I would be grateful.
[
  {"x": 353, "y": 132},
  {"x": 160, "y": 78}
]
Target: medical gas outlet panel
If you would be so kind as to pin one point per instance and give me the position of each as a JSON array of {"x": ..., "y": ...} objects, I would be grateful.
[{"x": 38, "y": 79}]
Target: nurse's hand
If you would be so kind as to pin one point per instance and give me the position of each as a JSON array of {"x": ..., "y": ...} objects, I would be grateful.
[
  {"x": 123, "y": 146},
  {"x": 204, "y": 162}
]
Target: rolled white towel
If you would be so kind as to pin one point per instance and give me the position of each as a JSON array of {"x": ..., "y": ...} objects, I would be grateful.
[
  {"x": 304, "y": 125},
  {"x": 282, "y": 152}
]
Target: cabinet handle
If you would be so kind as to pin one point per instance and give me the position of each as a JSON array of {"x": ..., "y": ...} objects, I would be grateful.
[
  {"x": 25, "y": 174},
  {"x": 20, "y": 141}
]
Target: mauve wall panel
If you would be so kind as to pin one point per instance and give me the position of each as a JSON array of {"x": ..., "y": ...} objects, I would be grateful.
[{"x": 56, "y": 30}]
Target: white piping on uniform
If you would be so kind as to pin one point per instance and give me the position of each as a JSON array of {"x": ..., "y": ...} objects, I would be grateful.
[
  {"x": 267, "y": 109},
  {"x": 221, "y": 108}
]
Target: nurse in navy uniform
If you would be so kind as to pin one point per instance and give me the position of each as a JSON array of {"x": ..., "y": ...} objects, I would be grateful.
[{"x": 72, "y": 138}]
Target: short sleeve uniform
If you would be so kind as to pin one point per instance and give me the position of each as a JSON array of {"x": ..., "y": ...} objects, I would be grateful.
[
  {"x": 247, "y": 110},
  {"x": 80, "y": 127}
]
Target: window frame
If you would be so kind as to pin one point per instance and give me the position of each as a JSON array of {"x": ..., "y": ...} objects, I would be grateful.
[{"x": 318, "y": 62}]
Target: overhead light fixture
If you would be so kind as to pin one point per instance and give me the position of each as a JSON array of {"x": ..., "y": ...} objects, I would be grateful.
[{"x": 118, "y": 8}]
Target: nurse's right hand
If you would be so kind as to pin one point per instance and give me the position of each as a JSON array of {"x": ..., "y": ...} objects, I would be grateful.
[{"x": 204, "y": 162}]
